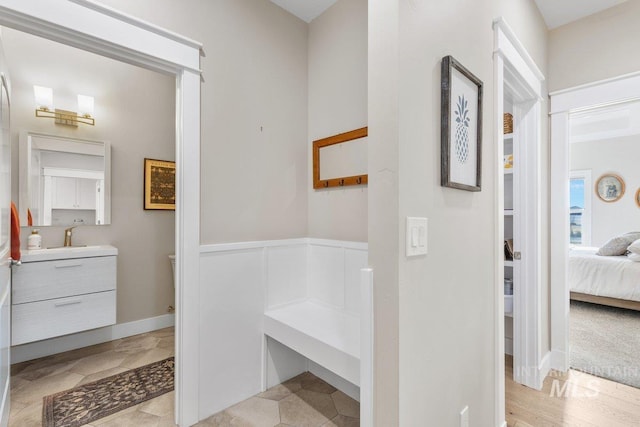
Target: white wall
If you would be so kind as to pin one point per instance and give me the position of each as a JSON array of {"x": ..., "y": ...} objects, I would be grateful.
[
  {"x": 439, "y": 370},
  {"x": 135, "y": 112},
  {"x": 613, "y": 155},
  {"x": 597, "y": 47},
  {"x": 338, "y": 103},
  {"x": 254, "y": 182}
]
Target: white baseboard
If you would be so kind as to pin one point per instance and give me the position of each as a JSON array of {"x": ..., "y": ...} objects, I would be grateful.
[
  {"x": 559, "y": 361},
  {"x": 351, "y": 390},
  {"x": 544, "y": 369},
  {"x": 35, "y": 350},
  {"x": 5, "y": 406},
  {"x": 508, "y": 346}
]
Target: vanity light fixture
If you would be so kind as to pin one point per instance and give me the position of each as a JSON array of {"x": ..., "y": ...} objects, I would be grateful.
[{"x": 44, "y": 108}]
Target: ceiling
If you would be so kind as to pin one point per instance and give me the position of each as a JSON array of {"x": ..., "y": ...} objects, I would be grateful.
[
  {"x": 560, "y": 12},
  {"x": 555, "y": 12},
  {"x": 307, "y": 10}
]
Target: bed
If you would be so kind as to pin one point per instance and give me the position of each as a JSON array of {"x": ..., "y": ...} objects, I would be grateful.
[{"x": 607, "y": 280}]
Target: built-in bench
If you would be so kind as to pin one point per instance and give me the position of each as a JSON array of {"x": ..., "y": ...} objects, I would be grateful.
[
  {"x": 282, "y": 307},
  {"x": 328, "y": 336},
  {"x": 319, "y": 306}
]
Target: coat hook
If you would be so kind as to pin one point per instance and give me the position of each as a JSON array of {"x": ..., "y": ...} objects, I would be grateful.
[
  {"x": 342, "y": 182},
  {"x": 359, "y": 180},
  {"x": 326, "y": 184}
]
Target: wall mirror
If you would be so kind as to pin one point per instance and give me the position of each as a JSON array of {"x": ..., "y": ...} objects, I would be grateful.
[
  {"x": 341, "y": 160},
  {"x": 63, "y": 181}
]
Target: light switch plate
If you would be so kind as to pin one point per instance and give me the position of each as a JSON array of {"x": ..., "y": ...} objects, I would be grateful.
[
  {"x": 464, "y": 417},
  {"x": 416, "y": 239}
]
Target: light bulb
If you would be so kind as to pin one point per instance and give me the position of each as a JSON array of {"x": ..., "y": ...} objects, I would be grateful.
[
  {"x": 85, "y": 105},
  {"x": 44, "y": 97}
]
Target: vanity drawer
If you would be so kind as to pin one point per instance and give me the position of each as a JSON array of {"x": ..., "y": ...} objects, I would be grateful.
[
  {"x": 46, "y": 319},
  {"x": 44, "y": 280}
]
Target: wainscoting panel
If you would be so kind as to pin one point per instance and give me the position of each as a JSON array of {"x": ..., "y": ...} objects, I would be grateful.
[
  {"x": 232, "y": 287},
  {"x": 354, "y": 261},
  {"x": 326, "y": 274},
  {"x": 286, "y": 274}
]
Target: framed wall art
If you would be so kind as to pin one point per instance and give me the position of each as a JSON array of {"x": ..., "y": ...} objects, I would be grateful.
[
  {"x": 638, "y": 197},
  {"x": 461, "y": 127},
  {"x": 610, "y": 188},
  {"x": 159, "y": 185}
]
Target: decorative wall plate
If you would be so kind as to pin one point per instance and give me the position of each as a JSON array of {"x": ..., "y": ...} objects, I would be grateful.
[{"x": 610, "y": 188}]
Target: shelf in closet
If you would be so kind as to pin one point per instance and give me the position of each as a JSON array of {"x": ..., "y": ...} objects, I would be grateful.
[
  {"x": 508, "y": 212},
  {"x": 508, "y": 305},
  {"x": 508, "y": 136},
  {"x": 508, "y": 171},
  {"x": 508, "y": 263}
]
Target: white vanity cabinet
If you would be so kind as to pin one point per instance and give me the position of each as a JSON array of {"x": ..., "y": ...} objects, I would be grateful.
[{"x": 62, "y": 291}]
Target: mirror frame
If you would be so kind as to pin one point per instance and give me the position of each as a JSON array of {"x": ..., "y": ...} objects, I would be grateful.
[
  {"x": 24, "y": 154},
  {"x": 332, "y": 140}
]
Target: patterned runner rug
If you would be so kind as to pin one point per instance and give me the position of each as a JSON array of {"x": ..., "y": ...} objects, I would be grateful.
[{"x": 92, "y": 401}]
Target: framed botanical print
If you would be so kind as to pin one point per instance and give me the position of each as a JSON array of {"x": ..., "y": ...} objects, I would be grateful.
[
  {"x": 159, "y": 185},
  {"x": 610, "y": 188},
  {"x": 461, "y": 127}
]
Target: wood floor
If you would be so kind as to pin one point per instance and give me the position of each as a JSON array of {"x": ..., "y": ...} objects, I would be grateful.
[{"x": 571, "y": 399}]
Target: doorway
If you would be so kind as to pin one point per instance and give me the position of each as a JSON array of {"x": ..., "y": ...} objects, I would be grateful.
[
  {"x": 59, "y": 178},
  {"x": 573, "y": 111},
  {"x": 102, "y": 30},
  {"x": 518, "y": 91}
]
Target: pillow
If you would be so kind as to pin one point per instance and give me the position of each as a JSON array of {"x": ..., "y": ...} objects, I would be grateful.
[
  {"x": 634, "y": 247},
  {"x": 634, "y": 257},
  {"x": 618, "y": 245}
]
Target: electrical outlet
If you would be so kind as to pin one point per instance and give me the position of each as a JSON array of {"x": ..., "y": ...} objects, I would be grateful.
[{"x": 464, "y": 417}]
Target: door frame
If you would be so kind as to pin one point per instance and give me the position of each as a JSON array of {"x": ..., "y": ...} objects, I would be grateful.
[
  {"x": 563, "y": 103},
  {"x": 90, "y": 26},
  {"x": 516, "y": 72}
]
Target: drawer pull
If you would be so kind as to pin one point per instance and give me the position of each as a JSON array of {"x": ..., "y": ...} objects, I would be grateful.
[
  {"x": 62, "y": 304},
  {"x": 67, "y": 265}
]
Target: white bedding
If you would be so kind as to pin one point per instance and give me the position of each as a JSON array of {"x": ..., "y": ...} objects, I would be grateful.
[{"x": 605, "y": 276}]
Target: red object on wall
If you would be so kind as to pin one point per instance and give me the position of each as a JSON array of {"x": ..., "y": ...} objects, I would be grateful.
[
  {"x": 15, "y": 233},
  {"x": 29, "y": 218}
]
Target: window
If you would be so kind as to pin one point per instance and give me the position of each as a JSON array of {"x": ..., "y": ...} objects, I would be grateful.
[{"x": 580, "y": 208}]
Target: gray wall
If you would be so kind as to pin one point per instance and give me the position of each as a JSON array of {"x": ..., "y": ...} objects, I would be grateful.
[
  {"x": 438, "y": 310},
  {"x": 254, "y": 113},
  {"x": 135, "y": 112},
  {"x": 338, "y": 103},
  {"x": 612, "y": 155},
  {"x": 597, "y": 47}
]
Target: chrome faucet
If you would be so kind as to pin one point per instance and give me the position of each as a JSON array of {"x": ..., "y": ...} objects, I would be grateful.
[{"x": 67, "y": 236}]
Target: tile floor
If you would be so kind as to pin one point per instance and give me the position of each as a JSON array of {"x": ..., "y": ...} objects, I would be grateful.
[
  {"x": 31, "y": 381},
  {"x": 304, "y": 401}
]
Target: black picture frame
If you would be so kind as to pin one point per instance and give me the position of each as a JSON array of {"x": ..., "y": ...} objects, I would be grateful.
[{"x": 461, "y": 159}]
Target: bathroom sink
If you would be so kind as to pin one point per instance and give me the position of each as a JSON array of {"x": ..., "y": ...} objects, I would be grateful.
[{"x": 63, "y": 252}]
